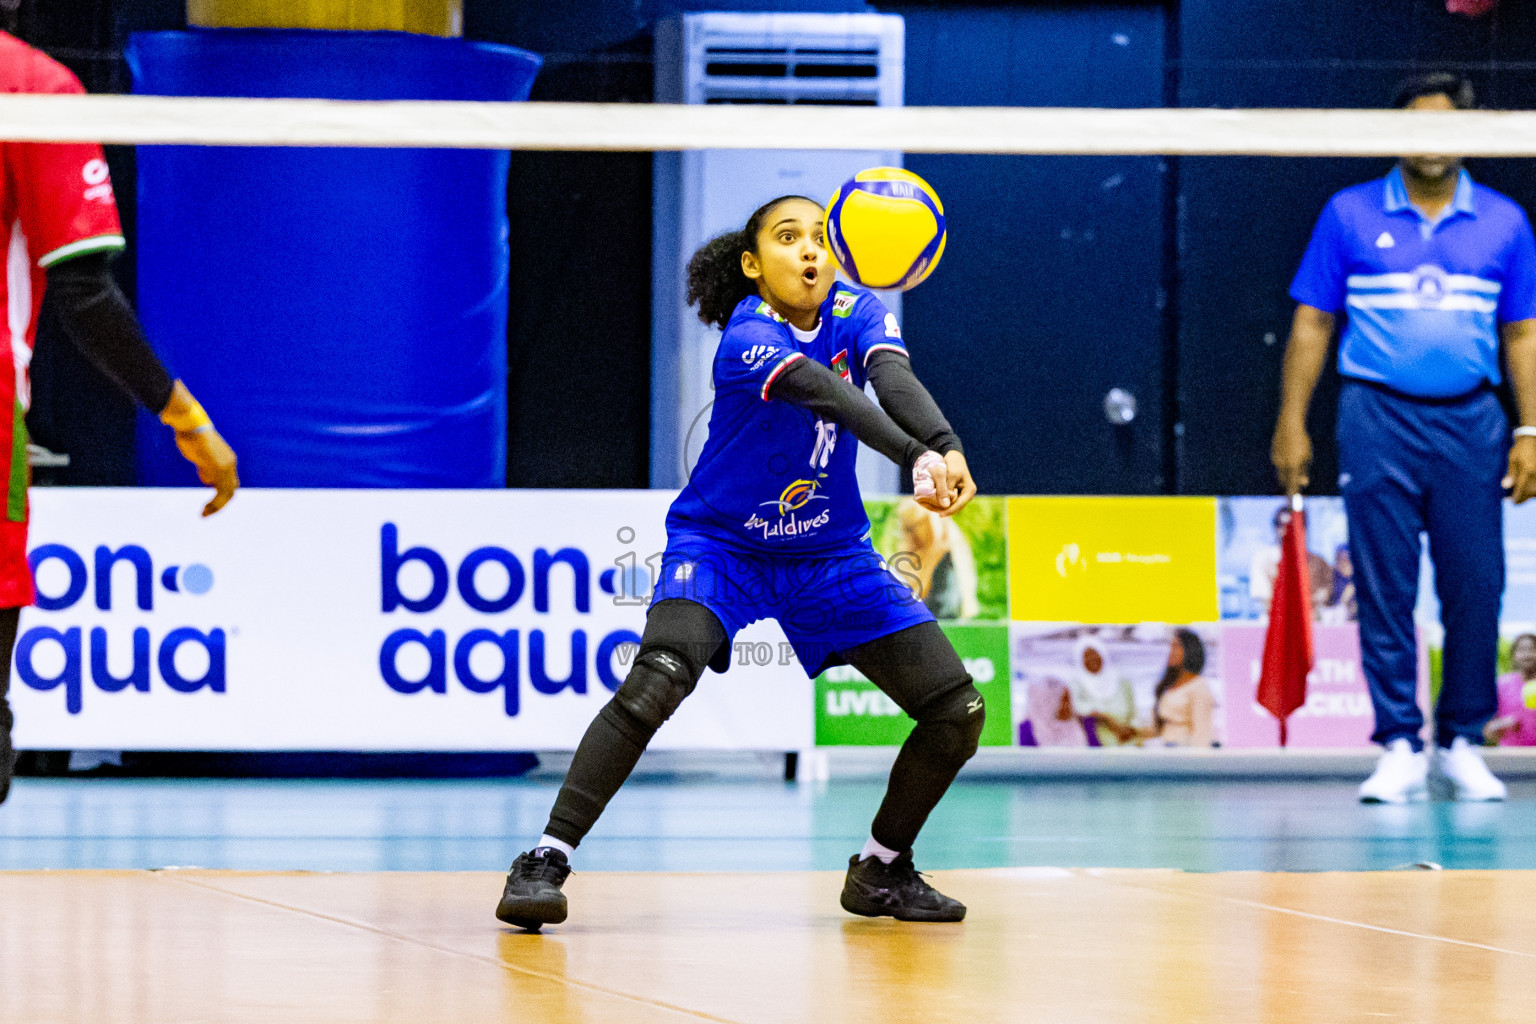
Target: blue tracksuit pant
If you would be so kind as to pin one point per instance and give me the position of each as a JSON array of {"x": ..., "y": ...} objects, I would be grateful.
[{"x": 1408, "y": 466}]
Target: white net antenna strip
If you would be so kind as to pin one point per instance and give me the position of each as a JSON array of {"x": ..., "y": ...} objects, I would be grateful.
[{"x": 149, "y": 120}]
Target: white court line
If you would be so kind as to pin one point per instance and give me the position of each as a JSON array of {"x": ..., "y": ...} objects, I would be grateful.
[
  {"x": 209, "y": 885},
  {"x": 1027, "y": 873},
  {"x": 1255, "y": 904}
]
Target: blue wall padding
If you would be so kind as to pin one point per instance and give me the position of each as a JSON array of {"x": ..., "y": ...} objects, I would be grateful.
[{"x": 341, "y": 313}]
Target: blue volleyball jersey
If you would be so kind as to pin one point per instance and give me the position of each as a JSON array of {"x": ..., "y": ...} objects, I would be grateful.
[
  {"x": 775, "y": 476},
  {"x": 1425, "y": 299}
]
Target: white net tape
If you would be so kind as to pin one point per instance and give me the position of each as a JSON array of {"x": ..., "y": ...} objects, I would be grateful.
[{"x": 644, "y": 126}]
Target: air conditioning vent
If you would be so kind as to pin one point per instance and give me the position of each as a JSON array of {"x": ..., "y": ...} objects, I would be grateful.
[
  {"x": 720, "y": 69},
  {"x": 837, "y": 71},
  {"x": 822, "y": 59}
]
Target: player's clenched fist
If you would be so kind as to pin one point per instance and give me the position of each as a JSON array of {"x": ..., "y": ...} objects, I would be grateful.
[
  {"x": 960, "y": 481},
  {"x": 930, "y": 483},
  {"x": 201, "y": 445}
]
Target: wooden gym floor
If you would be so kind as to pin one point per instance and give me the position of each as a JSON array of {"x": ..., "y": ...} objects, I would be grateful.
[{"x": 1042, "y": 945}]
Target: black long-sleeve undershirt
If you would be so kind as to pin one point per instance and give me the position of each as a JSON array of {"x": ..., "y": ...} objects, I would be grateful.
[
  {"x": 98, "y": 319},
  {"x": 808, "y": 384},
  {"x": 906, "y": 401},
  {"x": 907, "y": 407}
]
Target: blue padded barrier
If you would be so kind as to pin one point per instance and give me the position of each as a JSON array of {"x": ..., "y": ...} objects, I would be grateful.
[{"x": 341, "y": 312}]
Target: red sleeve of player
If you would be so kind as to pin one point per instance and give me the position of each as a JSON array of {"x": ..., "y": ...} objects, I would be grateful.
[{"x": 63, "y": 190}]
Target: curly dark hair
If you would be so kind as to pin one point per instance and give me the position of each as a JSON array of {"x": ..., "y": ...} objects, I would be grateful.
[{"x": 715, "y": 281}]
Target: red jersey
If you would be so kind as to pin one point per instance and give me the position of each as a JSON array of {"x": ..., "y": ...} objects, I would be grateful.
[{"x": 56, "y": 202}]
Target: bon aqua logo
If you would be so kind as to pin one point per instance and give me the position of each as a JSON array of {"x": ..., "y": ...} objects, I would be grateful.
[
  {"x": 503, "y": 649},
  {"x": 64, "y": 651}
]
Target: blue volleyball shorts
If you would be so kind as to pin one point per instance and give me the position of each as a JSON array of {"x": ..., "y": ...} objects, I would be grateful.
[{"x": 826, "y": 603}]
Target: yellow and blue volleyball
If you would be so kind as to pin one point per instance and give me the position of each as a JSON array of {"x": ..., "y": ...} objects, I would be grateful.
[{"x": 885, "y": 228}]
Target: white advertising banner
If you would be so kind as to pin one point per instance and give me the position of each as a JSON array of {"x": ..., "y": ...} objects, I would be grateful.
[{"x": 361, "y": 620}]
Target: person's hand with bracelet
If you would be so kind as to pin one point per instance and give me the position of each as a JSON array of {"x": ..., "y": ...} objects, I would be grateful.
[
  {"x": 1520, "y": 481},
  {"x": 202, "y": 446}
]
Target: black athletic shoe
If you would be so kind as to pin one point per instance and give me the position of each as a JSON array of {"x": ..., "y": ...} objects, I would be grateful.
[
  {"x": 532, "y": 897},
  {"x": 877, "y": 889}
]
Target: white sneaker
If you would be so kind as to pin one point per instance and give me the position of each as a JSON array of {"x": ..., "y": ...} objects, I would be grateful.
[
  {"x": 1402, "y": 775},
  {"x": 1464, "y": 767}
]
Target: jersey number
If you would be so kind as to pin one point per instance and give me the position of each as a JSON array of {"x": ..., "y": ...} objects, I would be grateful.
[{"x": 826, "y": 440}]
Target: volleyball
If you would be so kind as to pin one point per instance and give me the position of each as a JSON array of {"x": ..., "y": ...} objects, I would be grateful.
[{"x": 885, "y": 228}]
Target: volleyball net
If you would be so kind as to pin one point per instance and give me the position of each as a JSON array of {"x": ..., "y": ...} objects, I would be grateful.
[{"x": 158, "y": 120}]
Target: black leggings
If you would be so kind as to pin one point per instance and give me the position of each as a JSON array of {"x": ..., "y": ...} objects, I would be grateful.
[
  {"x": 916, "y": 667},
  {"x": 9, "y": 617}
]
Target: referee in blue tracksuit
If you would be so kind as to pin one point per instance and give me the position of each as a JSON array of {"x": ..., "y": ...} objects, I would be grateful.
[{"x": 1432, "y": 272}]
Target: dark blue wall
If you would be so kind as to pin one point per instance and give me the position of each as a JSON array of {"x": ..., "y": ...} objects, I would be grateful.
[
  {"x": 577, "y": 28},
  {"x": 1049, "y": 292}
]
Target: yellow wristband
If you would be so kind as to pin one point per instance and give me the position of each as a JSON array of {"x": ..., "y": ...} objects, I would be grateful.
[{"x": 191, "y": 420}]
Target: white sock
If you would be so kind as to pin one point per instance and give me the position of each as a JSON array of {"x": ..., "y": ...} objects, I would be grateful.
[
  {"x": 555, "y": 844},
  {"x": 874, "y": 849}
]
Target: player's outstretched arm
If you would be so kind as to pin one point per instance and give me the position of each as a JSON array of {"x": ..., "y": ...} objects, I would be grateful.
[
  {"x": 98, "y": 319},
  {"x": 808, "y": 384},
  {"x": 906, "y": 401}
]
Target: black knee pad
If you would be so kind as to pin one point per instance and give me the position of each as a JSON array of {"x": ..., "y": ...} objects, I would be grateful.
[
  {"x": 656, "y": 686},
  {"x": 952, "y": 723}
]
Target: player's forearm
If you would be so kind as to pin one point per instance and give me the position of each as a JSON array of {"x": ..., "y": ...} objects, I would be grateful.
[
  {"x": 909, "y": 404},
  {"x": 1305, "y": 353},
  {"x": 1520, "y": 355},
  {"x": 98, "y": 319},
  {"x": 808, "y": 384}
]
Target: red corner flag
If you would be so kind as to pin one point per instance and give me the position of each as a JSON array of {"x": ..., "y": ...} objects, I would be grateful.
[{"x": 1288, "y": 643}]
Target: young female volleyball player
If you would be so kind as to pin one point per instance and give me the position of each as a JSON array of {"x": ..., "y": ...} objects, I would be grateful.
[{"x": 771, "y": 525}]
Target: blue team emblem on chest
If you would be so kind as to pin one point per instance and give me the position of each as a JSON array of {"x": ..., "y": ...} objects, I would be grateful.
[
  {"x": 842, "y": 304},
  {"x": 1429, "y": 286}
]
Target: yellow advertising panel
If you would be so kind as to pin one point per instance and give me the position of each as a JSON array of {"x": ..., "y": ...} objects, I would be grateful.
[
  {"x": 428, "y": 17},
  {"x": 1112, "y": 559}
]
